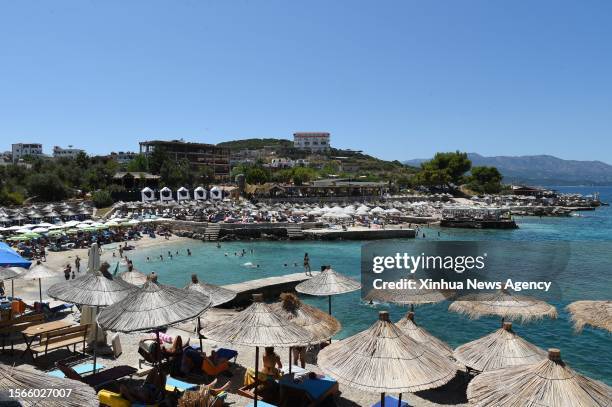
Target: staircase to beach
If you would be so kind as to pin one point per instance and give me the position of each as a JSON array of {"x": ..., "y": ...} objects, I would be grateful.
[
  {"x": 212, "y": 232},
  {"x": 294, "y": 231}
]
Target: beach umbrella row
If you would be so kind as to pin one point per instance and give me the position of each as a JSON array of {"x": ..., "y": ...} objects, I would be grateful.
[{"x": 327, "y": 283}]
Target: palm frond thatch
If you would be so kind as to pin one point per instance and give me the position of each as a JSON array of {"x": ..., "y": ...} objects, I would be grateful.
[
  {"x": 6, "y": 273},
  {"x": 134, "y": 277},
  {"x": 218, "y": 295},
  {"x": 409, "y": 297},
  {"x": 25, "y": 378},
  {"x": 152, "y": 307},
  {"x": 420, "y": 335},
  {"x": 383, "y": 359},
  {"x": 501, "y": 348},
  {"x": 258, "y": 325},
  {"x": 548, "y": 383},
  {"x": 321, "y": 325},
  {"x": 39, "y": 270},
  {"x": 595, "y": 313},
  {"x": 90, "y": 289},
  {"x": 503, "y": 304},
  {"x": 328, "y": 282}
]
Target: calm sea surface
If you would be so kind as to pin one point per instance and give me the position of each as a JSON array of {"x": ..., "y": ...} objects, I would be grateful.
[{"x": 588, "y": 352}]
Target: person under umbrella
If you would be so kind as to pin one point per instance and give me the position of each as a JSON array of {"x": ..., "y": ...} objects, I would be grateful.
[
  {"x": 383, "y": 359},
  {"x": 258, "y": 326},
  {"x": 218, "y": 295},
  {"x": 93, "y": 289},
  {"x": 327, "y": 283}
]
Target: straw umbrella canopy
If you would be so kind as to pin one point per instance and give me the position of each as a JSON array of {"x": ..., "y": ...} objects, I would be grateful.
[
  {"x": 412, "y": 297},
  {"x": 420, "y": 335},
  {"x": 549, "y": 383},
  {"x": 383, "y": 359},
  {"x": 218, "y": 295},
  {"x": 503, "y": 304},
  {"x": 134, "y": 277},
  {"x": 258, "y": 325},
  {"x": 501, "y": 348},
  {"x": 93, "y": 258},
  {"x": 321, "y": 326},
  {"x": 91, "y": 289},
  {"x": 24, "y": 378},
  {"x": 152, "y": 307},
  {"x": 327, "y": 283},
  {"x": 595, "y": 313},
  {"x": 11, "y": 273},
  {"x": 37, "y": 272}
]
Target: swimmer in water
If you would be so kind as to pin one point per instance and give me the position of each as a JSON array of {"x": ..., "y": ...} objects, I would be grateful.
[
  {"x": 188, "y": 252},
  {"x": 161, "y": 258},
  {"x": 148, "y": 259}
]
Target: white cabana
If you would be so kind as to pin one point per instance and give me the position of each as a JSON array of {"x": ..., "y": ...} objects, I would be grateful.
[
  {"x": 182, "y": 194},
  {"x": 165, "y": 195},
  {"x": 199, "y": 194},
  {"x": 147, "y": 194},
  {"x": 216, "y": 193}
]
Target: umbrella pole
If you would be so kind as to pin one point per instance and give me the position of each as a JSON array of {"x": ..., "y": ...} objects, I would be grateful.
[
  {"x": 95, "y": 339},
  {"x": 256, "y": 375},
  {"x": 13, "y": 288},
  {"x": 40, "y": 290},
  {"x": 199, "y": 334},
  {"x": 329, "y": 299},
  {"x": 290, "y": 359},
  {"x": 158, "y": 352},
  {"x": 399, "y": 402},
  {"x": 382, "y": 399}
]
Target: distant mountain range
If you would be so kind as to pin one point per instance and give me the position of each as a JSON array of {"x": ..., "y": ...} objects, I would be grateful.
[{"x": 542, "y": 169}]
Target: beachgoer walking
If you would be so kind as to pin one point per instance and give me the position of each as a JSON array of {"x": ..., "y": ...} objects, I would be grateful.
[
  {"x": 77, "y": 264},
  {"x": 1, "y": 288},
  {"x": 67, "y": 272},
  {"x": 307, "y": 265}
]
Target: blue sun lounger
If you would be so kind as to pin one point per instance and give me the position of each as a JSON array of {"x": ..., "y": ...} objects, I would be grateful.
[
  {"x": 81, "y": 369},
  {"x": 391, "y": 401}
]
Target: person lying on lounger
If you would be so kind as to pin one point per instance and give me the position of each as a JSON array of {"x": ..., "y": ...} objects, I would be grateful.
[
  {"x": 147, "y": 393},
  {"x": 193, "y": 361}
]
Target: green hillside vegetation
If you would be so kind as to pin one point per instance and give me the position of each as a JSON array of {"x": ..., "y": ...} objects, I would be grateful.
[{"x": 257, "y": 144}]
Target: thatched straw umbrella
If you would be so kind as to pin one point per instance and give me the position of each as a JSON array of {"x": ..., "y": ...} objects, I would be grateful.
[
  {"x": 549, "y": 383},
  {"x": 321, "y": 326},
  {"x": 37, "y": 272},
  {"x": 501, "y": 348},
  {"x": 133, "y": 277},
  {"x": 503, "y": 304},
  {"x": 421, "y": 335},
  {"x": 383, "y": 359},
  {"x": 595, "y": 313},
  {"x": 11, "y": 273},
  {"x": 259, "y": 326},
  {"x": 218, "y": 295},
  {"x": 94, "y": 290},
  {"x": 327, "y": 283},
  {"x": 153, "y": 307},
  {"x": 24, "y": 378}
]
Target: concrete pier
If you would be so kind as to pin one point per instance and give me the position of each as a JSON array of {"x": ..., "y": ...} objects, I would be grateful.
[
  {"x": 270, "y": 287},
  {"x": 360, "y": 233}
]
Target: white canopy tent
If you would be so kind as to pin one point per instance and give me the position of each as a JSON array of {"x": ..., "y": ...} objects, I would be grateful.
[
  {"x": 182, "y": 194},
  {"x": 199, "y": 194},
  {"x": 147, "y": 194},
  {"x": 165, "y": 195},
  {"x": 216, "y": 193}
]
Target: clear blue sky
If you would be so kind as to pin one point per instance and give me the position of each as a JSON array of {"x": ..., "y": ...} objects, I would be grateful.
[{"x": 398, "y": 79}]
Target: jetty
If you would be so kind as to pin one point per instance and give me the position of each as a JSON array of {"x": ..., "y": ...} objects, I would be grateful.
[
  {"x": 360, "y": 233},
  {"x": 270, "y": 287}
]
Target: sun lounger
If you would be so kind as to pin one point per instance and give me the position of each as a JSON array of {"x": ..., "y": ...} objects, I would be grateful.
[
  {"x": 316, "y": 390},
  {"x": 391, "y": 401},
  {"x": 173, "y": 384},
  {"x": 81, "y": 369},
  {"x": 99, "y": 379},
  {"x": 261, "y": 403}
]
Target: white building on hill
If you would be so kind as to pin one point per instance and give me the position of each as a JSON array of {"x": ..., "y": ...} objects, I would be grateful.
[{"x": 313, "y": 141}]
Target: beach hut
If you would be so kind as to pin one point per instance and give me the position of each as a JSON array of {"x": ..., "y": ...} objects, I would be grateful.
[
  {"x": 93, "y": 290},
  {"x": 383, "y": 359},
  {"x": 147, "y": 195},
  {"x": 501, "y": 348},
  {"x": 33, "y": 384},
  {"x": 182, "y": 194},
  {"x": 422, "y": 336},
  {"x": 38, "y": 272},
  {"x": 598, "y": 314},
  {"x": 216, "y": 193},
  {"x": 503, "y": 304},
  {"x": 218, "y": 295},
  {"x": 547, "y": 383},
  {"x": 327, "y": 283},
  {"x": 258, "y": 326},
  {"x": 165, "y": 195},
  {"x": 199, "y": 194}
]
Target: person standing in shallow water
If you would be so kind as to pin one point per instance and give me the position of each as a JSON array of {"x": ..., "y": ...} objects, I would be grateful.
[{"x": 307, "y": 265}]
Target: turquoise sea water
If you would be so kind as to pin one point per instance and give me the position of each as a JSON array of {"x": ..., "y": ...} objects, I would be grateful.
[{"x": 588, "y": 352}]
